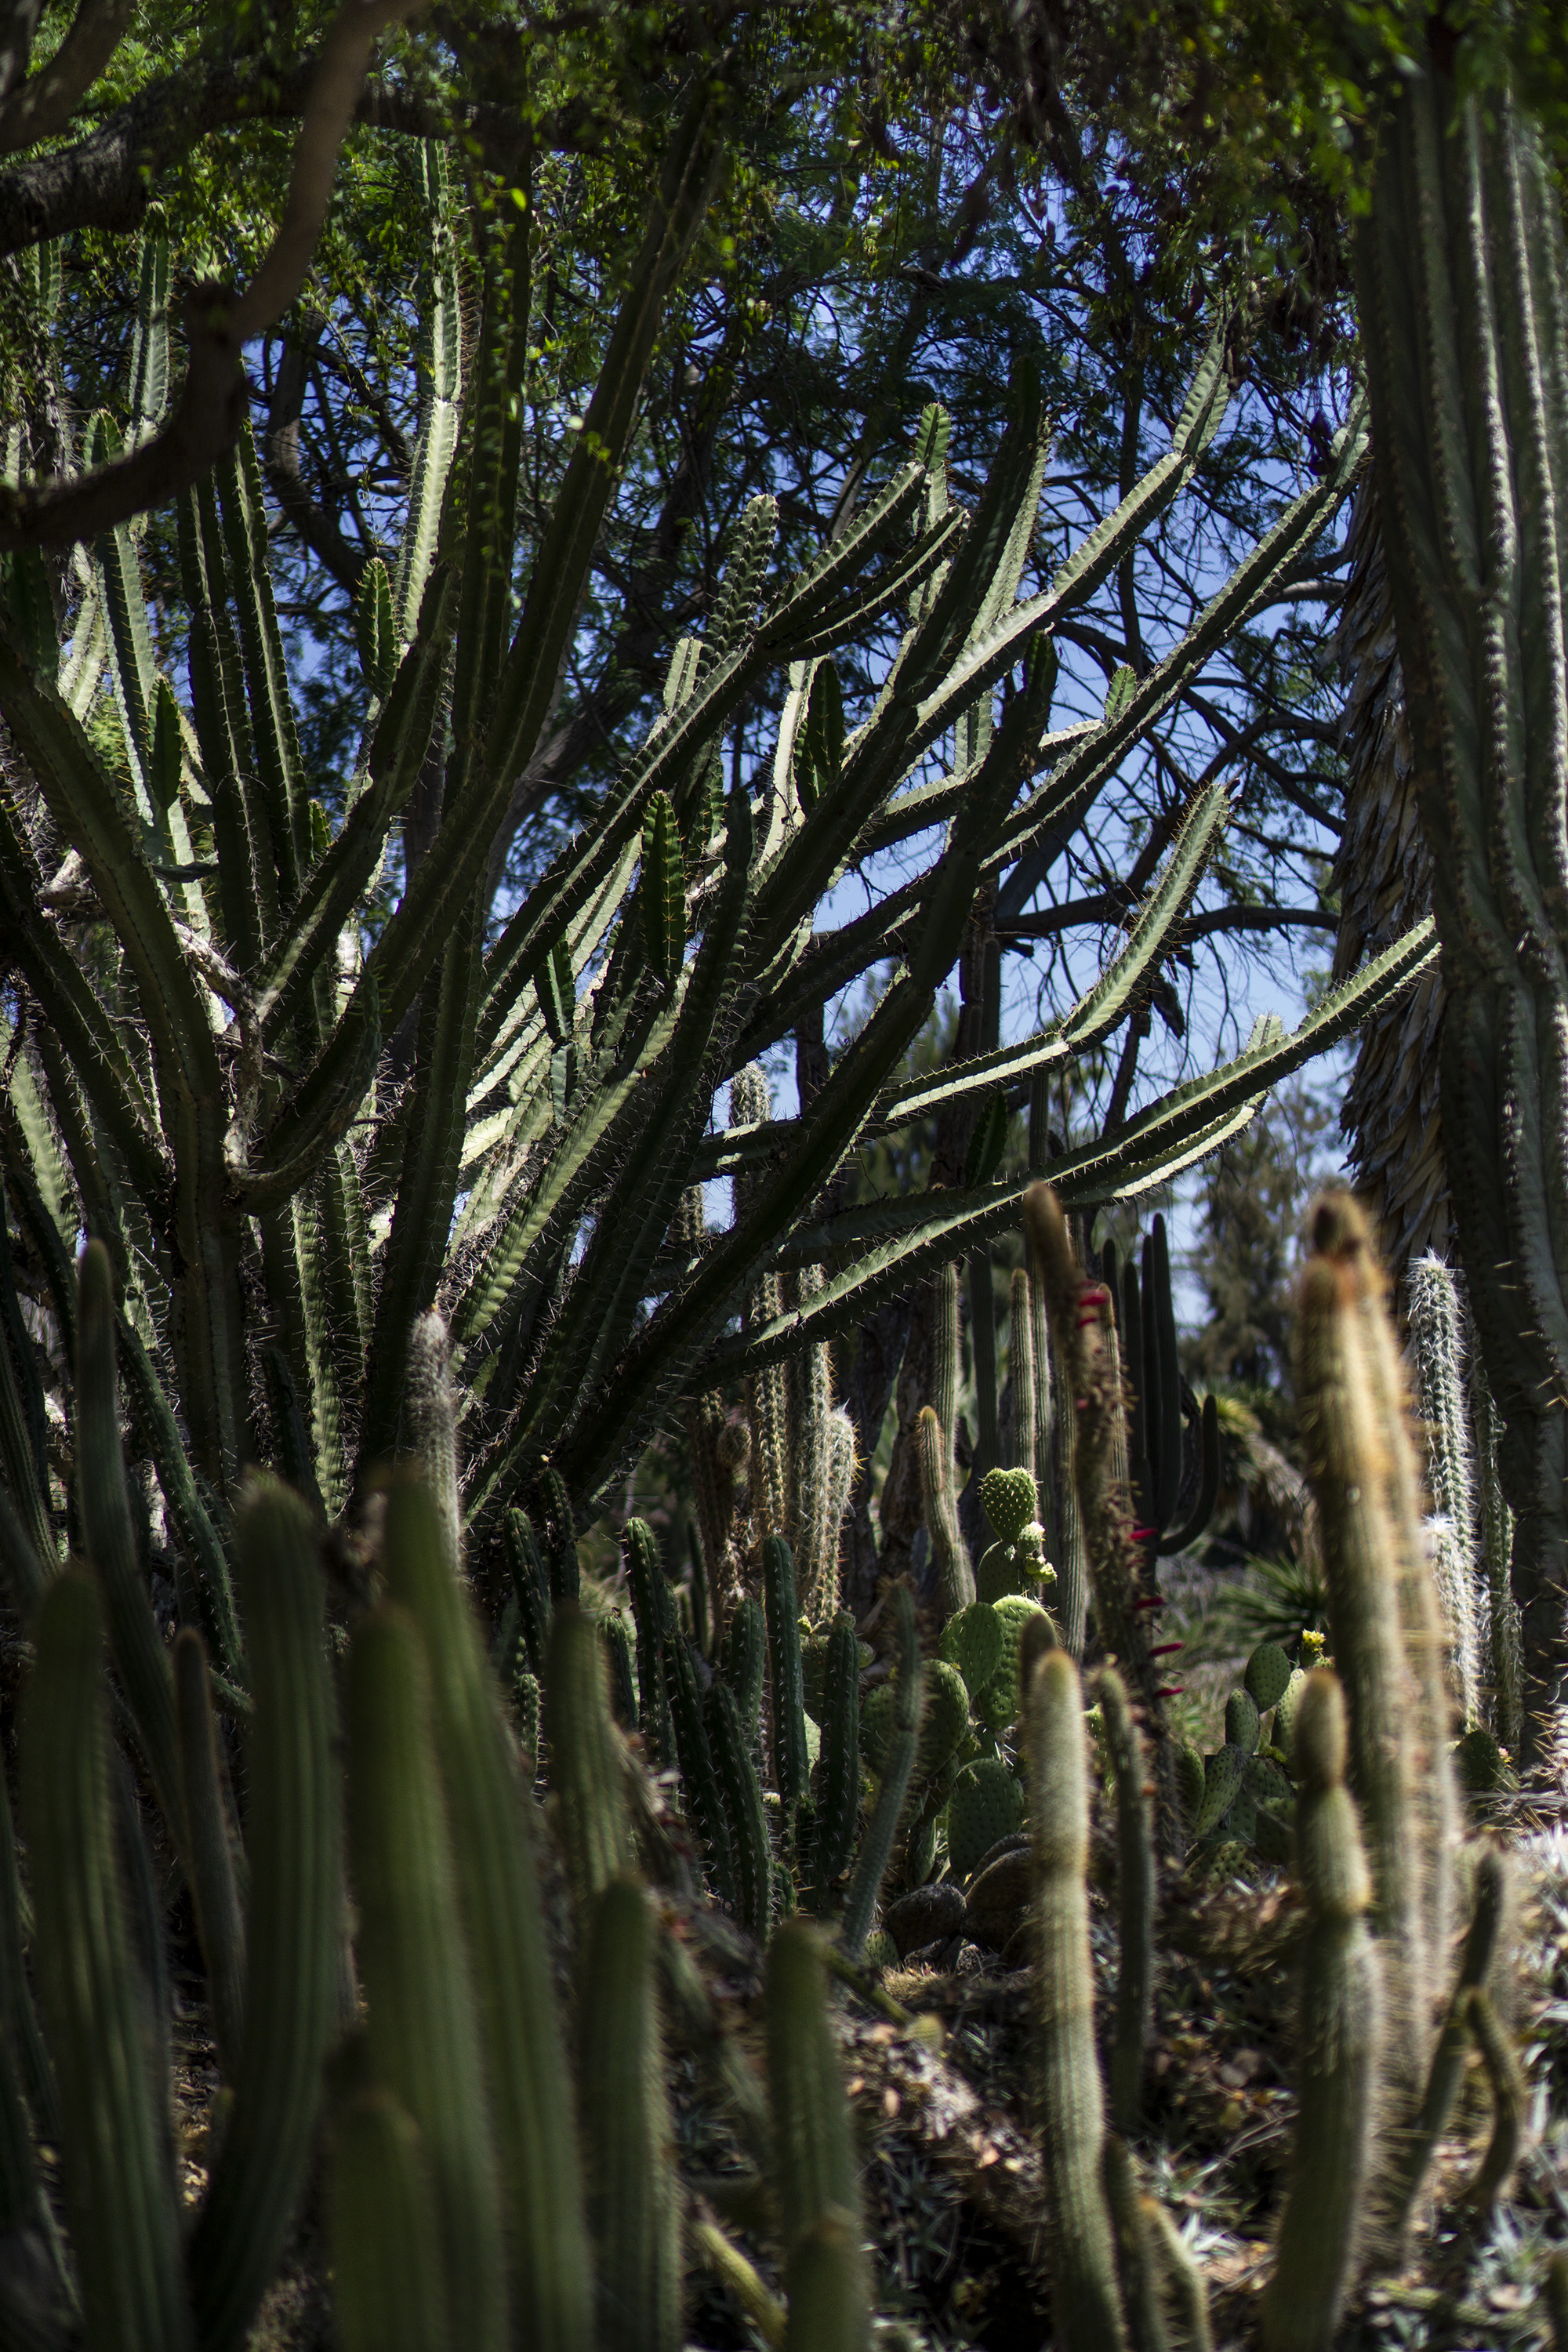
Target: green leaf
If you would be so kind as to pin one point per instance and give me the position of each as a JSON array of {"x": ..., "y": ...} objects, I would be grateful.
[{"x": 1119, "y": 693}]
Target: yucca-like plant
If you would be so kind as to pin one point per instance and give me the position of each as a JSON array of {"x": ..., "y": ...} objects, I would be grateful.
[{"x": 203, "y": 1083}]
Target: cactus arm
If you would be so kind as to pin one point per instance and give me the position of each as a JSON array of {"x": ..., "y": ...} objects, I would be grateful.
[
  {"x": 627, "y": 2129},
  {"x": 1136, "y": 2259},
  {"x": 1073, "y": 784},
  {"x": 386, "y": 2274},
  {"x": 74, "y": 1011},
  {"x": 653, "y": 1616},
  {"x": 586, "y": 1760},
  {"x": 248, "y": 881},
  {"x": 1135, "y": 1896},
  {"x": 838, "y": 1113},
  {"x": 316, "y": 1117},
  {"x": 187, "y": 1507},
  {"x": 1510, "y": 2102},
  {"x": 398, "y": 752},
  {"x": 1210, "y": 1462},
  {"x": 786, "y": 1687},
  {"x": 413, "y": 940},
  {"x": 294, "y": 1924},
  {"x": 743, "y": 1803},
  {"x": 1343, "y": 1442},
  {"x": 215, "y": 1896},
  {"x": 423, "y": 2034},
  {"x": 1108, "y": 1001},
  {"x": 23, "y": 2045},
  {"x": 635, "y": 1217},
  {"x": 933, "y": 803},
  {"x": 1338, "y": 2039},
  {"x": 838, "y": 1799},
  {"x": 109, "y": 1539},
  {"x": 882, "y": 750},
  {"x": 1086, "y": 2307},
  {"x": 431, "y": 1147},
  {"x": 24, "y": 1453},
  {"x": 815, "y": 2169},
  {"x": 1174, "y": 1132},
  {"x": 828, "y": 2307},
  {"x": 876, "y": 1846},
  {"x": 1418, "y": 2143},
  {"x": 441, "y": 352},
  {"x": 741, "y": 2276},
  {"x": 491, "y": 1820},
  {"x": 118, "y": 2185},
  {"x": 699, "y": 1782},
  {"x": 275, "y": 744},
  {"x": 1184, "y": 2277}
]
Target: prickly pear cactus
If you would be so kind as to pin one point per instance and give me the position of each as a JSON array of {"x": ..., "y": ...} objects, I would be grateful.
[{"x": 986, "y": 1805}]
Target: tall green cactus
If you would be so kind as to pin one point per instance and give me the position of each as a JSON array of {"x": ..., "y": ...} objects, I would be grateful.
[
  {"x": 627, "y": 2129},
  {"x": 1338, "y": 2041},
  {"x": 1382, "y": 1611},
  {"x": 1085, "y": 2294},
  {"x": 817, "y": 2178},
  {"x": 1460, "y": 262}
]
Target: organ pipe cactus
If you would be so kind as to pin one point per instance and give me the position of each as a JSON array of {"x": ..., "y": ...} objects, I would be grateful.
[
  {"x": 1340, "y": 2033},
  {"x": 1461, "y": 267},
  {"x": 296, "y": 1216}
]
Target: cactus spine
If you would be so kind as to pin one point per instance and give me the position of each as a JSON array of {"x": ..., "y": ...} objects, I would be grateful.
[
  {"x": 1339, "y": 2037},
  {"x": 628, "y": 2130},
  {"x": 1087, "y": 2304}
]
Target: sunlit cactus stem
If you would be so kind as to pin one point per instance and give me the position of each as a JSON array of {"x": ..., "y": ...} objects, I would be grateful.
[{"x": 1086, "y": 2298}]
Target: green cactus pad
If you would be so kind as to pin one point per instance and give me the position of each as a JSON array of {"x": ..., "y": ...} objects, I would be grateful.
[
  {"x": 880, "y": 1951},
  {"x": 1222, "y": 1778},
  {"x": 920, "y": 1852},
  {"x": 1010, "y": 1502},
  {"x": 1002, "y": 1570},
  {"x": 986, "y": 1804},
  {"x": 1285, "y": 1708},
  {"x": 1268, "y": 1676},
  {"x": 944, "y": 1719},
  {"x": 1242, "y": 1722},
  {"x": 997, "y": 1706},
  {"x": 1189, "y": 1780},
  {"x": 1267, "y": 1786},
  {"x": 973, "y": 1642}
]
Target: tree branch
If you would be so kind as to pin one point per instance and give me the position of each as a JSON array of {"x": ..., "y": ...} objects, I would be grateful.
[
  {"x": 214, "y": 398},
  {"x": 46, "y": 101}
]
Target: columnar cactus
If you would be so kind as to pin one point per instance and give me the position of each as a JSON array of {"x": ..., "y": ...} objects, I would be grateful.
[
  {"x": 1460, "y": 262},
  {"x": 1339, "y": 2042},
  {"x": 1359, "y": 1463},
  {"x": 1086, "y": 2297}
]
